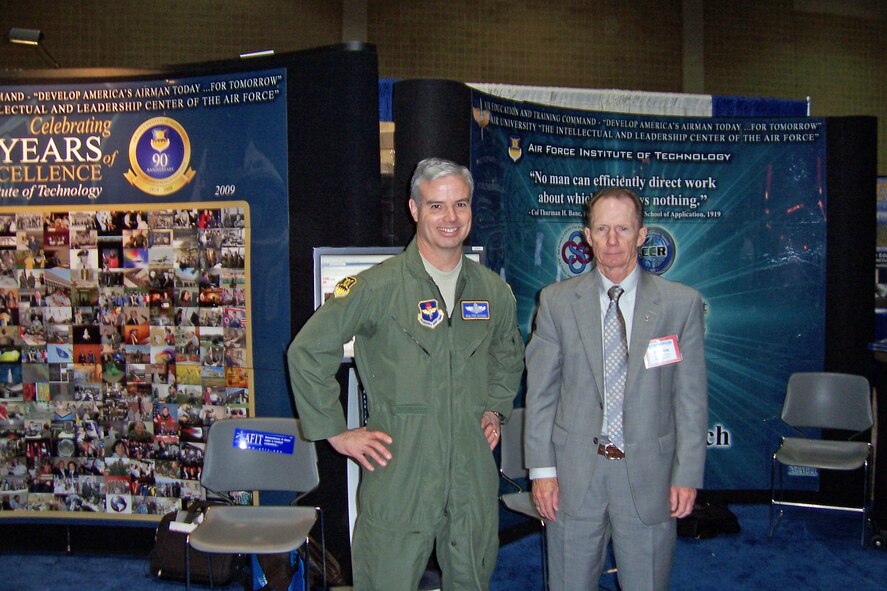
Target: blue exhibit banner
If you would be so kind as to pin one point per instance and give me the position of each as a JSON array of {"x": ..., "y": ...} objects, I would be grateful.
[
  {"x": 144, "y": 282},
  {"x": 881, "y": 247},
  {"x": 734, "y": 208}
]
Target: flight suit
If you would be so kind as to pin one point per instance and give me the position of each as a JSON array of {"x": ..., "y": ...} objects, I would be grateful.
[{"x": 429, "y": 378}]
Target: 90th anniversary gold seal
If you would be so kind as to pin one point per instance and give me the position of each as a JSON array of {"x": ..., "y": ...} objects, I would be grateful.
[{"x": 160, "y": 154}]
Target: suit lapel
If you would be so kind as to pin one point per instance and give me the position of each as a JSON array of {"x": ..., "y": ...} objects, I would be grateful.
[
  {"x": 646, "y": 310},
  {"x": 587, "y": 312}
]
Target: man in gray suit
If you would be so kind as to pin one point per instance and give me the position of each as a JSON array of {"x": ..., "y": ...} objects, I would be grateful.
[{"x": 615, "y": 456}]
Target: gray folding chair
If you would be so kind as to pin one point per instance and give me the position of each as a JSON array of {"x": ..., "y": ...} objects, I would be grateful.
[
  {"x": 827, "y": 401},
  {"x": 511, "y": 468},
  {"x": 257, "y": 454}
]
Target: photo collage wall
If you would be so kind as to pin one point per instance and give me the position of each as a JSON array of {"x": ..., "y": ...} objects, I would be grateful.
[{"x": 123, "y": 337}]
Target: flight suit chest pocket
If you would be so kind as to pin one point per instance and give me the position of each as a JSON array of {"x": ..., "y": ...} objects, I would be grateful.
[
  {"x": 412, "y": 371},
  {"x": 472, "y": 361}
]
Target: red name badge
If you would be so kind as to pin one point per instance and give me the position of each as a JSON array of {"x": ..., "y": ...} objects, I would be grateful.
[{"x": 662, "y": 351}]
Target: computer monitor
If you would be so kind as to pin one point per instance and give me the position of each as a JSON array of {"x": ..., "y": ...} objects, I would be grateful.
[{"x": 332, "y": 264}]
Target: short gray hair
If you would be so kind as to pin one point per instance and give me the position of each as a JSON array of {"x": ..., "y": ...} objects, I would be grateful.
[{"x": 431, "y": 169}]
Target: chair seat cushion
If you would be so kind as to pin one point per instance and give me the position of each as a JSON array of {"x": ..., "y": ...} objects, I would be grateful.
[
  {"x": 253, "y": 530},
  {"x": 818, "y": 453}
]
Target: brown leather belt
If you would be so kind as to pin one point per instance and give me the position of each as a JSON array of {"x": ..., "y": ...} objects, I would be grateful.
[{"x": 610, "y": 451}]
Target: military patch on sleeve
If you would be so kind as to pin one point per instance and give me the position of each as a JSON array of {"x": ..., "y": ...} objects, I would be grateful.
[{"x": 344, "y": 286}]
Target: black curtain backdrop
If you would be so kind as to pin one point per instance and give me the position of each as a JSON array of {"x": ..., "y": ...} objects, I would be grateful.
[
  {"x": 430, "y": 120},
  {"x": 334, "y": 178},
  {"x": 851, "y": 173},
  {"x": 334, "y": 191}
]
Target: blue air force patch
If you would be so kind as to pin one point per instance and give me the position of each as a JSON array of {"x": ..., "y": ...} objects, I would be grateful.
[
  {"x": 475, "y": 310},
  {"x": 430, "y": 313}
]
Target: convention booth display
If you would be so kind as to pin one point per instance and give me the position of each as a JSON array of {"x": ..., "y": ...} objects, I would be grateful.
[
  {"x": 158, "y": 233},
  {"x": 127, "y": 257},
  {"x": 751, "y": 201},
  {"x": 733, "y": 207},
  {"x": 147, "y": 224}
]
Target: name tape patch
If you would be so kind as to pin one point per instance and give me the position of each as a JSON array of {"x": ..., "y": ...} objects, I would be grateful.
[{"x": 475, "y": 310}]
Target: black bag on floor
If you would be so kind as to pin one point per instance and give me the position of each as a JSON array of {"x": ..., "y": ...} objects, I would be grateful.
[
  {"x": 277, "y": 572},
  {"x": 167, "y": 559},
  {"x": 707, "y": 521},
  {"x": 334, "y": 575},
  {"x": 284, "y": 572}
]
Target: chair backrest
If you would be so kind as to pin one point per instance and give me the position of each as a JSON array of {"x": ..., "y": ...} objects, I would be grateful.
[
  {"x": 259, "y": 453},
  {"x": 828, "y": 400},
  {"x": 512, "y": 448}
]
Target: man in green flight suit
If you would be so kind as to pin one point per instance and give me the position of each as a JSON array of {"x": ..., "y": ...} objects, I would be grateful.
[{"x": 440, "y": 356}]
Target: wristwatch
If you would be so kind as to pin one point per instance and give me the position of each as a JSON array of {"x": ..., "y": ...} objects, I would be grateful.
[{"x": 499, "y": 415}]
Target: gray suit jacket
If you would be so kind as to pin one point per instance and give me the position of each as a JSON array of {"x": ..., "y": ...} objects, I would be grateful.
[{"x": 665, "y": 408}]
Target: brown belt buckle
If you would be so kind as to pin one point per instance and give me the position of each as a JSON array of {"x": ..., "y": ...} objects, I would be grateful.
[{"x": 610, "y": 451}]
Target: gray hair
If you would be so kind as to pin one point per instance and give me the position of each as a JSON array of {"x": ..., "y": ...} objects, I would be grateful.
[{"x": 431, "y": 169}]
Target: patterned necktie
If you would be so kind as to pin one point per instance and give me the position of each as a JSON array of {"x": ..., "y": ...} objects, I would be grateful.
[{"x": 615, "y": 366}]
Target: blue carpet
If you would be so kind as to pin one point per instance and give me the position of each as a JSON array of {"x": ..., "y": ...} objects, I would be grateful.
[
  {"x": 811, "y": 550},
  {"x": 59, "y": 572}
]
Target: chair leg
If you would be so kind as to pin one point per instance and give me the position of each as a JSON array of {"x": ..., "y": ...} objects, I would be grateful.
[
  {"x": 306, "y": 563},
  {"x": 774, "y": 468},
  {"x": 322, "y": 548},
  {"x": 188, "y": 563},
  {"x": 770, "y": 522},
  {"x": 865, "y": 502},
  {"x": 544, "y": 556},
  {"x": 209, "y": 568}
]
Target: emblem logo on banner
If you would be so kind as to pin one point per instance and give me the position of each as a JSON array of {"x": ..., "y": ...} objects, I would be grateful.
[
  {"x": 657, "y": 253},
  {"x": 514, "y": 147},
  {"x": 574, "y": 254},
  {"x": 160, "y": 154},
  {"x": 430, "y": 313}
]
